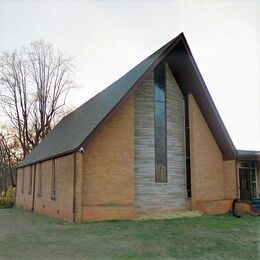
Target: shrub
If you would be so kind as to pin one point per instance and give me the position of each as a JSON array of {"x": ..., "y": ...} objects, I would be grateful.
[{"x": 7, "y": 200}]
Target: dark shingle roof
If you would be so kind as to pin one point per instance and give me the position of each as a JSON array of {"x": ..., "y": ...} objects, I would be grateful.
[{"x": 74, "y": 128}]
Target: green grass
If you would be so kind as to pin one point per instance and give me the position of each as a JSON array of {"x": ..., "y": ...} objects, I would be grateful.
[{"x": 26, "y": 235}]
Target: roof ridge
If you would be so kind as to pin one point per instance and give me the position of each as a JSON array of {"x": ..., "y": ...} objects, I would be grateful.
[{"x": 59, "y": 141}]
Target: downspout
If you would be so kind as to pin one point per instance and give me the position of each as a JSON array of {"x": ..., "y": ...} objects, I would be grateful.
[
  {"x": 34, "y": 175},
  {"x": 74, "y": 188}
]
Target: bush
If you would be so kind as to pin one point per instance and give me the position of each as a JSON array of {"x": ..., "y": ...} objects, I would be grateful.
[{"x": 7, "y": 200}]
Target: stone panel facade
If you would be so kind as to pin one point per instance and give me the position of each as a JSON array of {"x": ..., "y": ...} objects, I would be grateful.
[{"x": 152, "y": 196}]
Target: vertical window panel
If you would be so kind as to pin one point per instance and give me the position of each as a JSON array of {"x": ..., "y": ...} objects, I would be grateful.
[
  {"x": 187, "y": 145},
  {"x": 54, "y": 180},
  {"x": 159, "y": 93},
  {"x": 159, "y": 113},
  {"x": 30, "y": 181},
  {"x": 160, "y": 124},
  {"x": 23, "y": 181},
  {"x": 40, "y": 181}
]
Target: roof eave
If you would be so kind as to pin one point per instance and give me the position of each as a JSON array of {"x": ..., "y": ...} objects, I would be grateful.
[{"x": 21, "y": 165}]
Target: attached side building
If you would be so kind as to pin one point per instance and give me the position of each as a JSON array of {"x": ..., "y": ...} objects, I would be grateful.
[{"x": 152, "y": 142}]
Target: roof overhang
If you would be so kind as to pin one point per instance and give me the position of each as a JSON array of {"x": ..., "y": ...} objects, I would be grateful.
[
  {"x": 180, "y": 59},
  {"x": 246, "y": 155},
  {"x": 188, "y": 77}
]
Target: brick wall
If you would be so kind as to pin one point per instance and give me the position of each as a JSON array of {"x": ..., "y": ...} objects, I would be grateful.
[
  {"x": 213, "y": 180},
  {"x": 230, "y": 183},
  {"x": 62, "y": 207},
  {"x": 108, "y": 168},
  {"x": 24, "y": 199},
  {"x": 115, "y": 174},
  {"x": 206, "y": 158}
]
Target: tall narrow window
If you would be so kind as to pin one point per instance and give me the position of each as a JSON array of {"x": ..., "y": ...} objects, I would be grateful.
[
  {"x": 40, "y": 181},
  {"x": 23, "y": 180},
  {"x": 54, "y": 180},
  {"x": 160, "y": 124},
  {"x": 187, "y": 144},
  {"x": 30, "y": 181}
]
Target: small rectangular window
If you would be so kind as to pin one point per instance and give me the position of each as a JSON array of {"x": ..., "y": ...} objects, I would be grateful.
[
  {"x": 40, "y": 181},
  {"x": 30, "y": 181},
  {"x": 54, "y": 180},
  {"x": 23, "y": 180}
]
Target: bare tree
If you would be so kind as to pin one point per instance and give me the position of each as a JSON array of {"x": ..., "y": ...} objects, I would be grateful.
[{"x": 34, "y": 85}]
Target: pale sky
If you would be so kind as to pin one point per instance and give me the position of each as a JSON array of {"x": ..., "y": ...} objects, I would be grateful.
[{"x": 108, "y": 38}]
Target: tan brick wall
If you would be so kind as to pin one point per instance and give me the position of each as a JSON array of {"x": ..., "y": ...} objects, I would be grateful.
[
  {"x": 62, "y": 207},
  {"x": 213, "y": 180},
  {"x": 230, "y": 183},
  {"x": 105, "y": 179},
  {"x": 206, "y": 158},
  {"x": 108, "y": 168},
  {"x": 24, "y": 200}
]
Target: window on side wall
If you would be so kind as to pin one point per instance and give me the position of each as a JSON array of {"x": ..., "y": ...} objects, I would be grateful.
[
  {"x": 30, "y": 181},
  {"x": 54, "y": 180},
  {"x": 22, "y": 180},
  {"x": 40, "y": 181}
]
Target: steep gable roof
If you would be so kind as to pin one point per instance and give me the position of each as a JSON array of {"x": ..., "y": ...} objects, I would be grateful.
[{"x": 73, "y": 130}]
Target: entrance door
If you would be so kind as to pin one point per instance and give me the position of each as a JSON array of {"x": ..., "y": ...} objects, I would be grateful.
[{"x": 245, "y": 184}]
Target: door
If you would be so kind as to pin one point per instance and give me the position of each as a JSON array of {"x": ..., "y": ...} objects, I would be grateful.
[
  {"x": 253, "y": 184},
  {"x": 245, "y": 184}
]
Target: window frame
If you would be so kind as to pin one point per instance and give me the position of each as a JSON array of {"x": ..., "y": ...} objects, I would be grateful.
[
  {"x": 30, "y": 180},
  {"x": 187, "y": 147},
  {"x": 40, "y": 181},
  {"x": 54, "y": 180},
  {"x": 160, "y": 82},
  {"x": 22, "y": 188}
]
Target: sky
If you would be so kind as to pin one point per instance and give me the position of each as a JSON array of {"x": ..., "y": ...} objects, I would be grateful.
[{"x": 108, "y": 38}]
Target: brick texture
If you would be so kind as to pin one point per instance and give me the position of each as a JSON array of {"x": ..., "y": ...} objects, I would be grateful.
[
  {"x": 24, "y": 199},
  {"x": 62, "y": 207},
  {"x": 213, "y": 180},
  {"x": 230, "y": 188},
  {"x": 115, "y": 176},
  {"x": 108, "y": 168}
]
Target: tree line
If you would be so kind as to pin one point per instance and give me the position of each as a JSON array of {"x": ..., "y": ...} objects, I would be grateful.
[{"x": 34, "y": 84}]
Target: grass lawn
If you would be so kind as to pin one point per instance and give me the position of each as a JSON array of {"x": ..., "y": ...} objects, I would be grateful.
[{"x": 26, "y": 235}]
